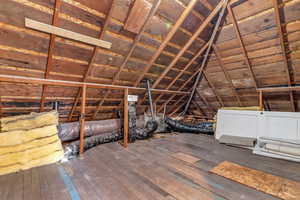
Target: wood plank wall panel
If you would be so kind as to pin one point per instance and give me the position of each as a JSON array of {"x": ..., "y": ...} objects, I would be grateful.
[
  {"x": 21, "y": 58},
  {"x": 263, "y": 47},
  {"x": 137, "y": 15}
]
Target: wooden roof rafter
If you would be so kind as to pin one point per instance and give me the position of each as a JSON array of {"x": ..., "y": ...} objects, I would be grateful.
[
  {"x": 207, "y": 4},
  {"x": 181, "y": 72},
  {"x": 227, "y": 76},
  {"x": 129, "y": 54},
  {"x": 240, "y": 40},
  {"x": 166, "y": 40},
  {"x": 55, "y": 21},
  {"x": 199, "y": 108},
  {"x": 213, "y": 88},
  {"x": 169, "y": 36},
  {"x": 203, "y": 98},
  {"x": 94, "y": 54},
  {"x": 206, "y": 57},
  {"x": 284, "y": 50},
  {"x": 187, "y": 45}
]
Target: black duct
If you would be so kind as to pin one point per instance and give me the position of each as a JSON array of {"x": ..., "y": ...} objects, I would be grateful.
[
  {"x": 203, "y": 127},
  {"x": 147, "y": 132},
  {"x": 136, "y": 133},
  {"x": 72, "y": 149}
]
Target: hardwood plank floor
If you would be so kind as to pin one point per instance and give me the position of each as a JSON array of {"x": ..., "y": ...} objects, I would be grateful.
[{"x": 175, "y": 167}]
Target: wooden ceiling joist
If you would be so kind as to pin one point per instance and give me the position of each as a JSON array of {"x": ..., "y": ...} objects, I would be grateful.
[
  {"x": 227, "y": 76},
  {"x": 92, "y": 60},
  {"x": 284, "y": 51},
  {"x": 49, "y": 65},
  {"x": 129, "y": 54}
]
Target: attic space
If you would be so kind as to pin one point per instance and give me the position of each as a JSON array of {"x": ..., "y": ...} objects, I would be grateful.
[{"x": 149, "y": 99}]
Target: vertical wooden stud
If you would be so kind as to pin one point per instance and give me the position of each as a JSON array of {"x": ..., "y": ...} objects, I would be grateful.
[
  {"x": 82, "y": 119},
  {"x": 261, "y": 101},
  {"x": 0, "y": 106},
  {"x": 125, "y": 142}
]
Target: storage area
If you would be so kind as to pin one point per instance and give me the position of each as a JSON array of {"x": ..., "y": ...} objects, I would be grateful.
[{"x": 149, "y": 99}]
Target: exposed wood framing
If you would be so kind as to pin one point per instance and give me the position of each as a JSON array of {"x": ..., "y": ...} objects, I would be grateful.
[
  {"x": 82, "y": 119},
  {"x": 202, "y": 49},
  {"x": 199, "y": 108},
  {"x": 66, "y": 33},
  {"x": 90, "y": 65},
  {"x": 261, "y": 101},
  {"x": 284, "y": 50},
  {"x": 181, "y": 87},
  {"x": 206, "y": 56},
  {"x": 55, "y": 20},
  {"x": 279, "y": 89},
  {"x": 175, "y": 104},
  {"x": 205, "y": 101},
  {"x": 238, "y": 34},
  {"x": 212, "y": 87},
  {"x": 41, "y": 81},
  {"x": 129, "y": 54},
  {"x": 227, "y": 76},
  {"x": 167, "y": 39},
  {"x": 176, "y": 110},
  {"x": 1, "y": 113},
  {"x": 207, "y": 4},
  {"x": 137, "y": 15},
  {"x": 126, "y": 122},
  {"x": 187, "y": 45}
]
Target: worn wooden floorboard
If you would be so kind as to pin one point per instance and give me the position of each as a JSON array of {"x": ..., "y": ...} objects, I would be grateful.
[
  {"x": 211, "y": 182},
  {"x": 175, "y": 167},
  {"x": 220, "y": 153}
]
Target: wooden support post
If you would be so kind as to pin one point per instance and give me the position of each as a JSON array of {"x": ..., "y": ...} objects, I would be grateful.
[
  {"x": 82, "y": 119},
  {"x": 93, "y": 58},
  {"x": 49, "y": 66},
  {"x": 125, "y": 141},
  {"x": 284, "y": 51},
  {"x": 1, "y": 114},
  {"x": 261, "y": 101}
]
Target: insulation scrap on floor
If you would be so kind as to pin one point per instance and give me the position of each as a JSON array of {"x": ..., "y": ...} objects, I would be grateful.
[
  {"x": 30, "y": 141},
  {"x": 268, "y": 183}
]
